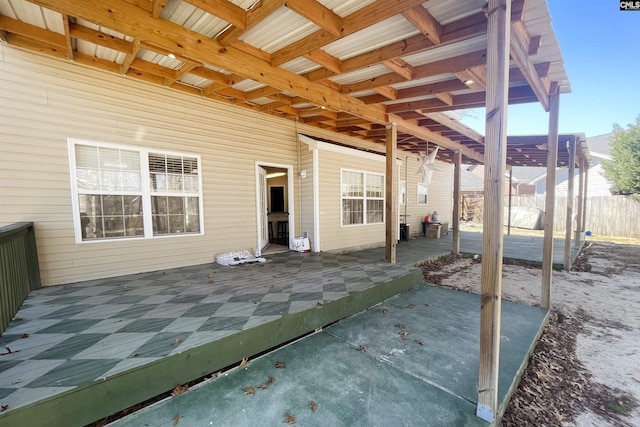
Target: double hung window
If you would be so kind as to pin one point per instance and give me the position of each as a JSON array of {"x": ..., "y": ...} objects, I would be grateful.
[
  {"x": 362, "y": 195},
  {"x": 129, "y": 192}
]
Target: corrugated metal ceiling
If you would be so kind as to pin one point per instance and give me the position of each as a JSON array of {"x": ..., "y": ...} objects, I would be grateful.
[{"x": 284, "y": 27}]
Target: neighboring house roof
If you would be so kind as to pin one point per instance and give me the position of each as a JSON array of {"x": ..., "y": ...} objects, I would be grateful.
[
  {"x": 527, "y": 174},
  {"x": 471, "y": 178},
  {"x": 597, "y": 183},
  {"x": 600, "y": 144}
]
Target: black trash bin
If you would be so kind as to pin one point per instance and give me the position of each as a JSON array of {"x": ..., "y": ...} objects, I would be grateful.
[{"x": 404, "y": 232}]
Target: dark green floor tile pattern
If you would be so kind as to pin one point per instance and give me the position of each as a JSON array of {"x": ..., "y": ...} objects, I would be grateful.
[{"x": 68, "y": 336}]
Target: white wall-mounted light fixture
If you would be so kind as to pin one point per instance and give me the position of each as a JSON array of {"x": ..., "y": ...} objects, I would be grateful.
[{"x": 275, "y": 174}]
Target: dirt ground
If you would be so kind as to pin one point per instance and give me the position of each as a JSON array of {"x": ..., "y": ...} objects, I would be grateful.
[{"x": 585, "y": 370}]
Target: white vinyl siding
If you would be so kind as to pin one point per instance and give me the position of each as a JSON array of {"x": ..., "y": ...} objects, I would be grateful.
[
  {"x": 362, "y": 198},
  {"x": 45, "y": 102}
]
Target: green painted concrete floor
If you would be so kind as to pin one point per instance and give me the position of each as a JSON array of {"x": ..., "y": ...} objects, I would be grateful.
[
  {"x": 516, "y": 248},
  {"x": 427, "y": 379}
]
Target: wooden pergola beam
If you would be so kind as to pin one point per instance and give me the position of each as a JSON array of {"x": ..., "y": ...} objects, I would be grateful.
[
  {"x": 258, "y": 13},
  {"x": 520, "y": 47},
  {"x": 99, "y": 38},
  {"x": 450, "y": 65},
  {"x": 423, "y": 90},
  {"x": 321, "y": 57},
  {"x": 169, "y": 37},
  {"x": 33, "y": 32},
  {"x": 67, "y": 36},
  {"x": 517, "y": 95},
  {"x": 223, "y": 9},
  {"x": 157, "y": 7},
  {"x": 425, "y": 22},
  {"x": 131, "y": 20},
  {"x": 426, "y": 135},
  {"x": 400, "y": 67},
  {"x": 375, "y": 12},
  {"x": 464, "y": 28},
  {"x": 319, "y": 14},
  {"x": 455, "y": 125}
]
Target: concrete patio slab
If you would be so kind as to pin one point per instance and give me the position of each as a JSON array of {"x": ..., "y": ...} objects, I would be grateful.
[{"x": 361, "y": 372}]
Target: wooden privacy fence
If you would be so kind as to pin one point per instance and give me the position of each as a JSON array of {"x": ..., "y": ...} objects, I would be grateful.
[
  {"x": 610, "y": 216},
  {"x": 19, "y": 271}
]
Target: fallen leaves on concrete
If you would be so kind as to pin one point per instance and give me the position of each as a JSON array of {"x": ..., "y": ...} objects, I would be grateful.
[
  {"x": 179, "y": 389},
  {"x": 289, "y": 418},
  {"x": 267, "y": 383},
  {"x": 176, "y": 419}
]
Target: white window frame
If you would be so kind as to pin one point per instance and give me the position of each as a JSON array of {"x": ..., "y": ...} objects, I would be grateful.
[
  {"x": 364, "y": 197},
  {"x": 402, "y": 192},
  {"x": 423, "y": 196},
  {"x": 145, "y": 186}
]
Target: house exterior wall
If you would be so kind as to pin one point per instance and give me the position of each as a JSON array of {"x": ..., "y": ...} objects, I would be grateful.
[
  {"x": 597, "y": 184},
  {"x": 440, "y": 191},
  {"x": 307, "y": 194},
  {"x": 335, "y": 236},
  {"x": 45, "y": 102}
]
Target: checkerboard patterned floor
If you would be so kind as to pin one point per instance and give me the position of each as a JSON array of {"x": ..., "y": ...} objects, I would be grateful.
[{"x": 66, "y": 336}]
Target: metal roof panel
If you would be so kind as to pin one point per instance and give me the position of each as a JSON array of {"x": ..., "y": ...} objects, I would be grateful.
[{"x": 279, "y": 30}]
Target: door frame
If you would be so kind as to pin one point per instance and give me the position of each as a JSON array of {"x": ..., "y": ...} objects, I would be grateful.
[{"x": 290, "y": 199}]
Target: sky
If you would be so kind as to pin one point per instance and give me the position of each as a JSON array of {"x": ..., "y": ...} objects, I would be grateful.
[{"x": 601, "y": 52}]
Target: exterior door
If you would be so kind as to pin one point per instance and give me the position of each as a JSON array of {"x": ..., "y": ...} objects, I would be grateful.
[{"x": 263, "y": 231}]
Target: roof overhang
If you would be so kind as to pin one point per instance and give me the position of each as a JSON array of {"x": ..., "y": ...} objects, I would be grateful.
[{"x": 347, "y": 66}]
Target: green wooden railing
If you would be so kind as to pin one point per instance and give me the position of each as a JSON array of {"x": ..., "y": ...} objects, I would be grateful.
[{"x": 19, "y": 271}]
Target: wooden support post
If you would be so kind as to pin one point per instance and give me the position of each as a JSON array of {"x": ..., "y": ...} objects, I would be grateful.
[
  {"x": 569, "y": 223},
  {"x": 579, "y": 230},
  {"x": 510, "y": 194},
  {"x": 498, "y": 36},
  {"x": 457, "y": 193},
  {"x": 586, "y": 198},
  {"x": 391, "y": 195},
  {"x": 550, "y": 200}
]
